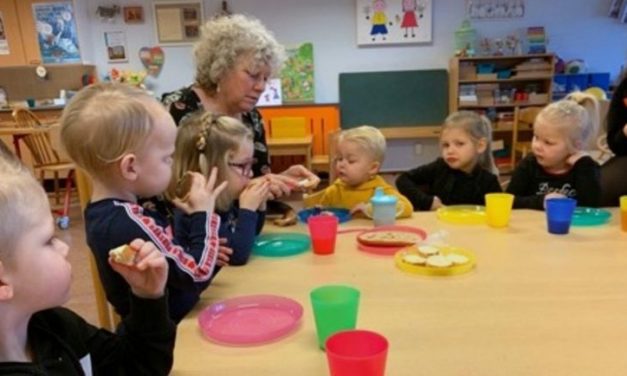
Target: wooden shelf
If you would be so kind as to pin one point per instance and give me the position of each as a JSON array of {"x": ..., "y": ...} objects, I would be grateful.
[
  {"x": 505, "y": 80},
  {"x": 502, "y": 105},
  {"x": 506, "y": 57}
]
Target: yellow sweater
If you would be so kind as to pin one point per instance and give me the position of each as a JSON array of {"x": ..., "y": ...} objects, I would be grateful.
[{"x": 340, "y": 195}]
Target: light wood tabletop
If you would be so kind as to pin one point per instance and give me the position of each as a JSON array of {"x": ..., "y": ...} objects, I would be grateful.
[{"x": 536, "y": 304}]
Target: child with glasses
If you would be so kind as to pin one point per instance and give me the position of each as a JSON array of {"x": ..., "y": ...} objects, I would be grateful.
[
  {"x": 205, "y": 139},
  {"x": 124, "y": 140}
]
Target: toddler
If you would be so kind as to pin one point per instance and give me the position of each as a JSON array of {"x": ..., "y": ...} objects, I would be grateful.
[
  {"x": 463, "y": 174},
  {"x": 124, "y": 140},
  {"x": 558, "y": 167},
  {"x": 38, "y": 337},
  {"x": 360, "y": 152}
]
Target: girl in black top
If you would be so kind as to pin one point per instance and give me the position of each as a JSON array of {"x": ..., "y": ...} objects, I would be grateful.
[
  {"x": 465, "y": 172},
  {"x": 558, "y": 167}
]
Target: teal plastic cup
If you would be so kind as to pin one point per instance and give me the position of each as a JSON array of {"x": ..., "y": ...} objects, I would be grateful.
[{"x": 335, "y": 309}]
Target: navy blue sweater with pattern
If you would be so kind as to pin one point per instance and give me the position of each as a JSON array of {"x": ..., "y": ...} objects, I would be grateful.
[{"x": 191, "y": 254}]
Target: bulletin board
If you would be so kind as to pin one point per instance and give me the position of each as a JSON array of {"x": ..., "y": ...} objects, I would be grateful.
[{"x": 394, "y": 99}]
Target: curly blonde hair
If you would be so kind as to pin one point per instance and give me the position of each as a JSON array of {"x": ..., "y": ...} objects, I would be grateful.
[{"x": 225, "y": 39}]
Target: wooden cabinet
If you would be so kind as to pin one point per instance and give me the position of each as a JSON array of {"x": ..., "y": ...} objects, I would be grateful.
[
  {"x": 498, "y": 87},
  {"x": 21, "y": 32}
]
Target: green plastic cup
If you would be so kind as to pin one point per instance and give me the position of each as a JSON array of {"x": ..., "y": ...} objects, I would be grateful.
[{"x": 335, "y": 309}]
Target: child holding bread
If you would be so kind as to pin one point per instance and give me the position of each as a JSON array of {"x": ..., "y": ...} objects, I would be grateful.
[{"x": 124, "y": 140}]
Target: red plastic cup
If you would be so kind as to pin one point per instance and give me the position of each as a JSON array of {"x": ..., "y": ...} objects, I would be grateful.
[
  {"x": 357, "y": 352},
  {"x": 323, "y": 231}
]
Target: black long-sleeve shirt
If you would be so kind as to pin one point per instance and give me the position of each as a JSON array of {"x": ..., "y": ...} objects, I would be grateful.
[
  {"x": 191, "y": 256},
  {"x": 530, "y": 183},
  {"x": 452, "y": 187},
  {"x": 617, "y": 119},
  {"x": 63, "y": 343}
]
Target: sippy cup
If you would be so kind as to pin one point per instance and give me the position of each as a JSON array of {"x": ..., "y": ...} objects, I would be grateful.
[{"x": 383, "y": 208}]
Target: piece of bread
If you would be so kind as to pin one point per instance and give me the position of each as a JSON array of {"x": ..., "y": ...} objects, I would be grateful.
[
  {"x": 388, "y": 238},
  {"x": 457, "y": 259},
  {"x": 428, "y": 250},
  {"x": 123, "y": 254},
  {"x": 439, "y": 261},
  {"x": 414, "y": 259}
]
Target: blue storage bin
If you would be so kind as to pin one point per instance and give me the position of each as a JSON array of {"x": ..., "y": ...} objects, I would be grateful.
[
  {"x": 577, "y": 82},
  {"x": 485, "y": 68},
  {"x": 504, "y": 74},
  {"x": 601, "y": 80}
]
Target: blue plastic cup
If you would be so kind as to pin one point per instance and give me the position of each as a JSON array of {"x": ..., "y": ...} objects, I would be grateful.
[{"x": 559, "y": 214}]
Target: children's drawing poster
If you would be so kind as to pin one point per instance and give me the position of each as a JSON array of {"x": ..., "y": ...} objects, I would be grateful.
[
  {"x": 272, "y": 95},
  {"x": 56, "y": 32},
  {"x": 4, "y": 44},
  {"x": 381, "y": 22},
  {"x": 297, "y": 76}
]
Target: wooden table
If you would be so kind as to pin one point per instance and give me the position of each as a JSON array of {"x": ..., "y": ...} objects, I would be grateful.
[
  {"x": 291, "y": 146},
  {"x": 536, "y": 304}
]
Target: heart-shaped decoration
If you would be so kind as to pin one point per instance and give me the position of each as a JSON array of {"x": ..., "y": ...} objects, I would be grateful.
[{"x": 153, "y": 59}]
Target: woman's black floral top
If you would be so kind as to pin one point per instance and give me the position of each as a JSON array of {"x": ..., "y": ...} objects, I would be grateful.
[{"x": 185, "y": 101}]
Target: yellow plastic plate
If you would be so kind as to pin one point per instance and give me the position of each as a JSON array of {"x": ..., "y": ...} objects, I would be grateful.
[
  {"x": 462, "y": 214},
  {"x": 435, "y": 271}
]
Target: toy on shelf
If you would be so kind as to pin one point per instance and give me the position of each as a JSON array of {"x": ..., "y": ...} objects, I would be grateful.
[
  {"x": 465, "y": 39},
  {"x": 536, "y": 39}
]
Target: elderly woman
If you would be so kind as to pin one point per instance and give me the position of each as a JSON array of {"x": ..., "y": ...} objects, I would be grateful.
[
  {"x": 614, "y": 171},
  {"x": 234, "y": 59}
]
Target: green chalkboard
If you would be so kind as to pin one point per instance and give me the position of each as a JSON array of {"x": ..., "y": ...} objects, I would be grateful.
[{"x": 394, "y": 99}]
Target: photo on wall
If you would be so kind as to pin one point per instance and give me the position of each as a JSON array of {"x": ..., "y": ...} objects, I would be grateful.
[{"x": 381, "y": 22}]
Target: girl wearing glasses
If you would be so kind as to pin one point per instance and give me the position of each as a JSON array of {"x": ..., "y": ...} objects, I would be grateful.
[{"x": 205, "y": 140}]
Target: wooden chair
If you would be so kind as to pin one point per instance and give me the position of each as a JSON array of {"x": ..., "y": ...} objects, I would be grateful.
[
  {"x": 523, "y": 118},
  {"x": 47, "y": 160},
  {"x": 107, "y": 317},
  {"x": 290, "y": 136}
]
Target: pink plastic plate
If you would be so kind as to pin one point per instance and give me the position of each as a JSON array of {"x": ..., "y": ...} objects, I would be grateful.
[
  {"x": 250, "y": 320},
  {"x": 389, "y": 250}
]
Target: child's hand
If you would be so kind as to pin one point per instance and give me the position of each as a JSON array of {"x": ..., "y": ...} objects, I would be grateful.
[
  {"x": 202, "y": 194},
  {"x": 360, "y": 208},
  {"x": 575, "y": 157},
  {"x": 302, "y": 174},
  {"x": 224, "y": 253},
  {"x": 255, "y": 194},
  {"x": 436, "y": 204},
  {"x": 148, "y": 275}
]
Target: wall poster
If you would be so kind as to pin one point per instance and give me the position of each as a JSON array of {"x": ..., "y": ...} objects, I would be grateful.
[
  {"x": 56, "y": 32},
  {"x": 381, "y": 22},
  {"x": 297, "y": 75}
]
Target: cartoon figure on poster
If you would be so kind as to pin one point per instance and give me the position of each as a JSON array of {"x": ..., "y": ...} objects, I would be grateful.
[
  {"x": 379, "y": 19},
  {"x": 56, "y": 33},
  {"x": 409, "y": 8}
]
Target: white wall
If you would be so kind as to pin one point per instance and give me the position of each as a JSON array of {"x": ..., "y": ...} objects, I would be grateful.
[{"x": 576, "y": 29}]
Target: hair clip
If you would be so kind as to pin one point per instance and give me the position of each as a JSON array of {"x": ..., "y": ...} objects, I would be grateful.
[{"x": 201, "y": 143}]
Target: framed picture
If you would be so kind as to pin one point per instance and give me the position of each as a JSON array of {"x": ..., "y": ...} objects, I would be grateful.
[
  {"x": 178, "y": 22},
  {"x": 133, "y": 15},
  {"x": 381, "y": 22},
  {"x": 494, "y": 9},
  {"x": 116, "y": 46}
]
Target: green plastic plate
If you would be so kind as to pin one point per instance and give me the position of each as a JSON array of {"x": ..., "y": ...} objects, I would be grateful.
[
  {"x": 280, "y": 244},
  {"x": 590, "y": 216}
]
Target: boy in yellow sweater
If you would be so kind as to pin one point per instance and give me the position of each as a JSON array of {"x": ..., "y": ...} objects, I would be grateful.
[{"x": 360, "y": 153}]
